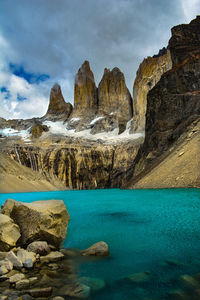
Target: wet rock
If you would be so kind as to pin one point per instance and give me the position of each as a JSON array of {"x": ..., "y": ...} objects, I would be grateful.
[
  {"x": 33, "y": 280},
  {"x": 76, "y": 290},
  {"x": 9, "y": 233},
  {"x": 44, "y": 220},
  {"x": 139, "y": 277},
  {"x": 17, "y": 263},
  {"x": 16, "y": 277},
  {"x": 54, "y": 256},
  {"x": 70, "y": 252},
  {"x": 178, "y": 295},
  {"x": 97, "y": 249},
  {"x": 39, "y": 247},
  {"x": 189, "y": 281},
  {"x": 5, "y": 265},
  {"x": 41, "y": 292},
  {"x": 54, "y": 266},
  {"x": 58, "y": 298},
  {"x": 96, "y": 284},
  {"x": 22, "y": 284}
]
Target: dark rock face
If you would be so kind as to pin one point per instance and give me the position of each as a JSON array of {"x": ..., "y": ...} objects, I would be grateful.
[
  {"x": 113, "y": 95},
  {"x": 85, "y": 91},
  {"x": 57, "y": 105},
  {"x": 185, "y": 41},
  {"x": 174, "y": 102}
]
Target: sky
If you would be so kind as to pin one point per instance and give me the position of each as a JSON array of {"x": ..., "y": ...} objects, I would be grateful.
[{"x": 46, "y": 41}]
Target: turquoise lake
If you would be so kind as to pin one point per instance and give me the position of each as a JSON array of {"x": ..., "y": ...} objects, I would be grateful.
[{"x": 146, "y": 230}]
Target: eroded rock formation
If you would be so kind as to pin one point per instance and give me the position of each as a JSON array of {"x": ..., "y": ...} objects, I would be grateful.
[
  {"x": 148, "y": 74},
  {"x": 85, "y": 91},
  {"x": 58, "y": 108},
  {"x": 114, "y": 97}
]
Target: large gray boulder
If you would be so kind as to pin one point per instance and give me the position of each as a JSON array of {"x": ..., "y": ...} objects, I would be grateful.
[
  {"x": 9, "y": 233},
  {"x": 39, "y": 220}
]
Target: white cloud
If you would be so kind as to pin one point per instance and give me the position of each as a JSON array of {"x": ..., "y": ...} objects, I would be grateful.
[{"x": 190, "y": 8}]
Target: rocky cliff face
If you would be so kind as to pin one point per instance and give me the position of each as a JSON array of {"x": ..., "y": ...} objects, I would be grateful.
[
  {"x": 148, "y": 74},
  {"x": 58, "y": 108},
  {"x": 77, "y": 164},
  {"x": 114, "y": 97},
  {"x": 85, "y": 91},
  {"x": 174, "y": 103}
]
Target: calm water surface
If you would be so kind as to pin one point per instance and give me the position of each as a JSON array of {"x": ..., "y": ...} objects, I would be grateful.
[{"x": 143, "y": 228}]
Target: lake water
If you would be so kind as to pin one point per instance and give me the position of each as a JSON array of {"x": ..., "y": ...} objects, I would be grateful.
[{"x": 143, "y": 228}]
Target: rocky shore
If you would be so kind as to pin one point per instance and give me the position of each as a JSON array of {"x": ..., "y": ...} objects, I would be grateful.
[{"x": 32, "y": 261}]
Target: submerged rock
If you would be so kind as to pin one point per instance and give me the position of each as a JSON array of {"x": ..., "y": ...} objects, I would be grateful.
[
  {"x": 40, "y": 220},
  {"x": 96, "y": 284},
  {"x": 54, "y": 256},
  {"x": 76, "y": 290},
  {"x": 97, "y": 249},
  {"x": 9, "y": 233},
  {"x": 139, "y": 277}
]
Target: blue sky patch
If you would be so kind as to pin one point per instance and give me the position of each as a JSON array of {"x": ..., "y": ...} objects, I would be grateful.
[
  {"x": 21, "y": 98},
  {"x": 28, "y": 76},
  {"x": 5, "y": 91}
]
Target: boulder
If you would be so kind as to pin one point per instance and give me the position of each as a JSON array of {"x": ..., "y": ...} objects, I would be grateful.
[
  {"x": 97, "y": 249},
  {"x": 52, "y": 257},
  {"x": 22, "y": 284},
  {"x": 9, "y": 233},
  {"x": 27, "y": 258},
  {"x": 16, "y": 277},
  {"x": 39, "y": 247},
  {"x": 17, "y": 263},
  {"x": 39, "y": 220},
  {"x": 41, "y": 292}
]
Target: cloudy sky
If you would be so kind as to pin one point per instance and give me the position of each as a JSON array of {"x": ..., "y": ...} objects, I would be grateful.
[{"x": 46, "y": 41}]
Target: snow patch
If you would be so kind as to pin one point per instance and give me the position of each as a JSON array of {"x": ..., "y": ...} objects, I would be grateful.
[
  {"x": 95, "y": 120},
  {"x": 6, "y": 132},
  {"x": 74, "y": 120},
  {"x": 108, "y": 137}
]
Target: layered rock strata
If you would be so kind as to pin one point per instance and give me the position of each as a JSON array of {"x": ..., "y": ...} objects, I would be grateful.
[{"x": 148, "y": 74}]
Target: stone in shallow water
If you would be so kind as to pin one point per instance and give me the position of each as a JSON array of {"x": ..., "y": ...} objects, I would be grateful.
[
  {"x": 190, "y": 281},
  {"x": 41, "y": 292},
  {"x": 97, "y": 249},
  {"x": 76, "y": 290},
  {"x": 95, "y": 284},
  {"x": 139, "y": 277},
  {"x": 54, "y": 256}
]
